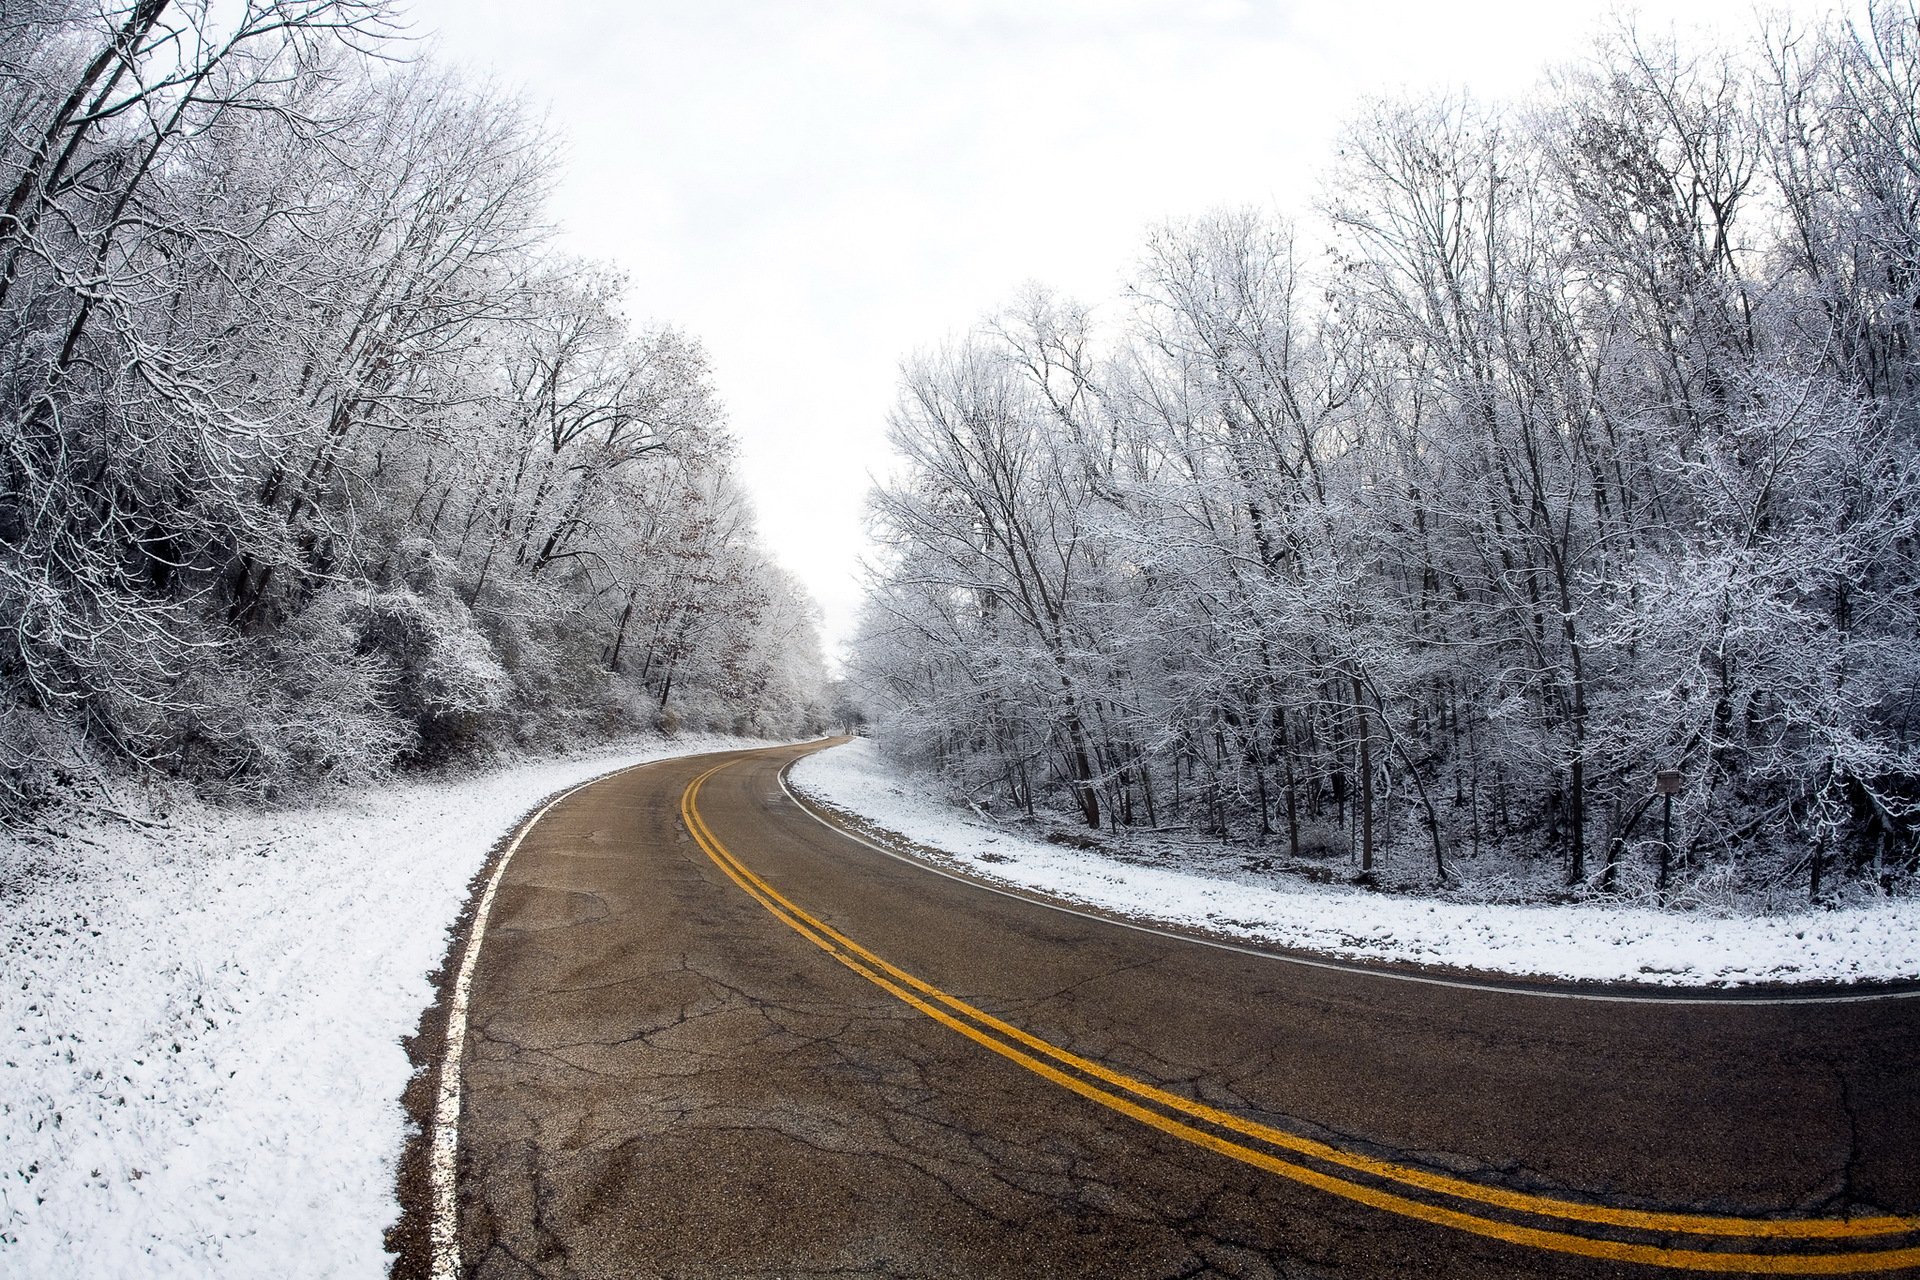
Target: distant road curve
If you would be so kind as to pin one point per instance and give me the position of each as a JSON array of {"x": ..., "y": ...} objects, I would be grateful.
[
  {"x": 709, "y": 1035},
  {"x": 1544, "y": 988}
]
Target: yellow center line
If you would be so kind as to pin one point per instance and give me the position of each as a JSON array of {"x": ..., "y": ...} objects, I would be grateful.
[
  {"x": 928, "y": 999},
  {"x": 1538, "y": 1205}
]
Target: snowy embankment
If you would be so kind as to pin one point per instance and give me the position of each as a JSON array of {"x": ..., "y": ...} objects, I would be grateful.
[
  {"x": 1586, "y": 941},
  {"x": 202, "y": 1063}
]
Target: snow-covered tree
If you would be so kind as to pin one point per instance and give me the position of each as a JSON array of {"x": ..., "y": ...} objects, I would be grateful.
[
  {"x": 315, "y": 458},
  {"x": 1581, "y": 447}
]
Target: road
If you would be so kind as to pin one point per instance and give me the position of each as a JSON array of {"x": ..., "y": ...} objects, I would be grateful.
[{"x": 708, "y": 1035}]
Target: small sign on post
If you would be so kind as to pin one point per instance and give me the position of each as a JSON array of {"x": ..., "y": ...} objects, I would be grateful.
[{"x": 1666, "y": 785}]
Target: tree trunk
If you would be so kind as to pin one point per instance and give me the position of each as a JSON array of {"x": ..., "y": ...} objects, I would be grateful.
[{"x": 1082, "y": 768}]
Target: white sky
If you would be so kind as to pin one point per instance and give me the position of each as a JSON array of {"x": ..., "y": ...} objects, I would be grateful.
[{"x": 815, "y": 188}]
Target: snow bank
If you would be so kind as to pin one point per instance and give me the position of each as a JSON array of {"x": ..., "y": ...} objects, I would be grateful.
[
  {"x": 200, "y": 1025},
  {"x": 1585, "y": 941}
]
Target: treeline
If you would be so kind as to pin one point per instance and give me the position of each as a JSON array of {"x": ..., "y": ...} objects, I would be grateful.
[
  {"x": 1573, "y": 442},
  {"x": 315, "y": 457}
]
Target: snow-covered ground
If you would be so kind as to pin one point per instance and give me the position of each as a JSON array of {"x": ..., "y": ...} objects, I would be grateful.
[
  {"x": 1586, "y": 941},
  {"x": 200, "y": 1024}
]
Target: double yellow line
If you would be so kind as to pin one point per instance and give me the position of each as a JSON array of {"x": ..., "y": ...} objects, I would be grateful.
[{"x": 1380, "y": 1184}]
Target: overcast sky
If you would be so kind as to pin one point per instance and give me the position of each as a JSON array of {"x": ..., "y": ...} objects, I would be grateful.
[{"x": 815, "y": 188}]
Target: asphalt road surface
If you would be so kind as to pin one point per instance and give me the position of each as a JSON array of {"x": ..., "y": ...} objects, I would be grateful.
[{"x": 711, "y": 1036}]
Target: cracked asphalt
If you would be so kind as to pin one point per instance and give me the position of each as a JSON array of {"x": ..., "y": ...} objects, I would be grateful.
[{"x": 663, "y": 1079}]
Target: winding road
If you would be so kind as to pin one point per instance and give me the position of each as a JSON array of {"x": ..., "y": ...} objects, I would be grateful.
[{"x": 708, "y": 1034}]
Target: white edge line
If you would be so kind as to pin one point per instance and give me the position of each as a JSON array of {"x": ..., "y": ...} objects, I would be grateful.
[
  {"x": 446, "y": 1111},
  {"x": 1363, "y": 970}
]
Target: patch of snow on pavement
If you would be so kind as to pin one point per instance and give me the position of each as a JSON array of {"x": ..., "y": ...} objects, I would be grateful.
[
  {"x": 200, "y": 1025},
  {"x": 1583, "y": 941}
]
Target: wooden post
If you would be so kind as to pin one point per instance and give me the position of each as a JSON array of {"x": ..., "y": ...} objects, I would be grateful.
[{"x": 1666, "y": 785}]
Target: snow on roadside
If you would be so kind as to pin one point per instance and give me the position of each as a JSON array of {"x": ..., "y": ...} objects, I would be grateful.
[
  {"x": 1585, "y": 941},
  {"x": 200, "y": 1025}
]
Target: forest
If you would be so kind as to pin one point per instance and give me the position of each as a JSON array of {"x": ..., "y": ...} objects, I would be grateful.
[
  {"x": 318, "y": 456},
  {"x": 1537, "y": 514}
]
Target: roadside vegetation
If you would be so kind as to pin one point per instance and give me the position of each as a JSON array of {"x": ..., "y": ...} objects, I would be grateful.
[
  {"x": 317, "y": 458},
  {"x": 1569, "y": 443}
]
